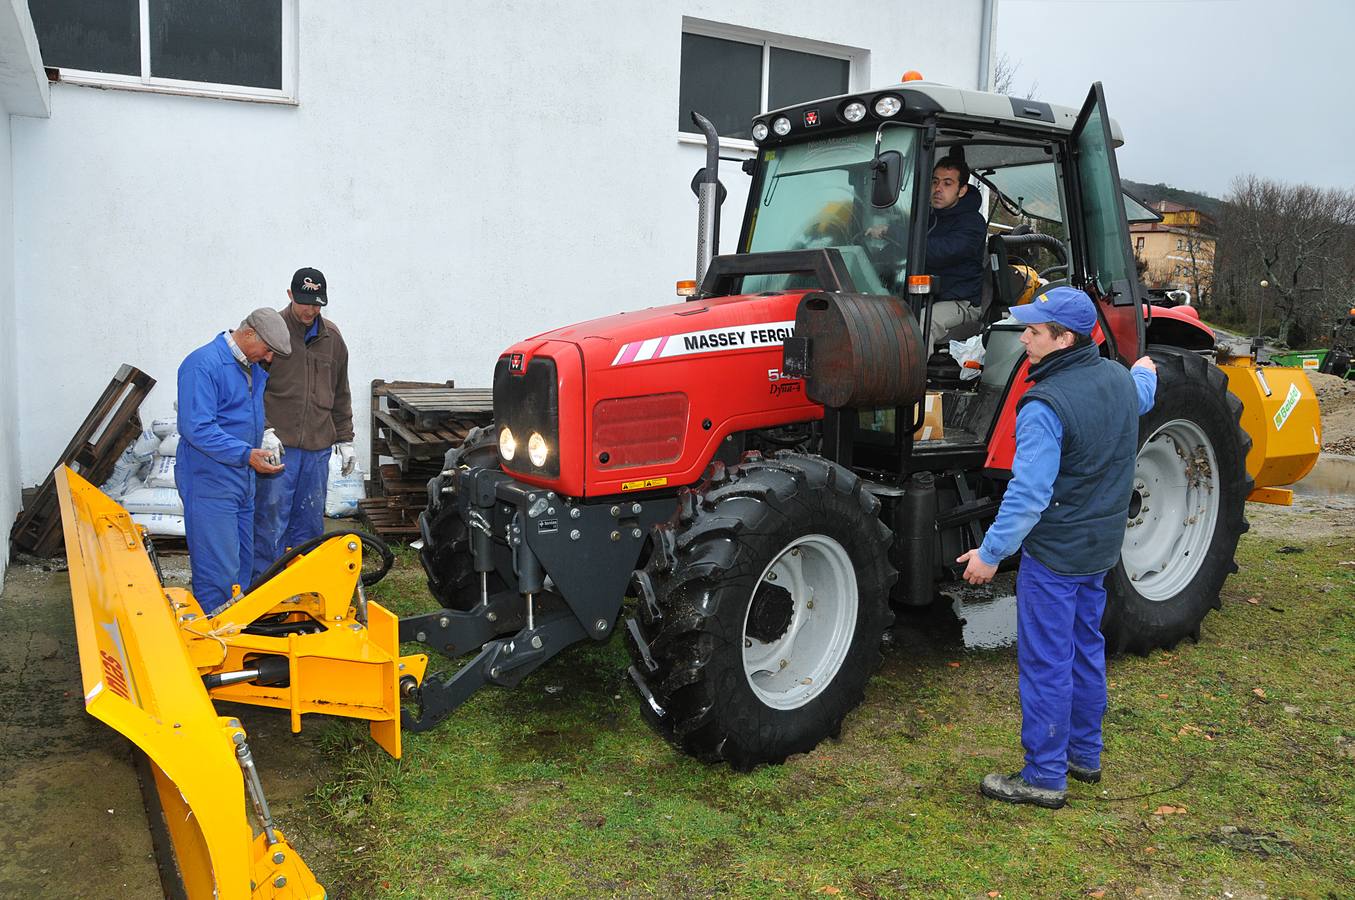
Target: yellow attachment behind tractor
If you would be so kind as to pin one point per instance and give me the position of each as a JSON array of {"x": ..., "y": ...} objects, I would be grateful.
[
  {"x": 152, "y": 663},
  {"x": 1280, "y": 413}
]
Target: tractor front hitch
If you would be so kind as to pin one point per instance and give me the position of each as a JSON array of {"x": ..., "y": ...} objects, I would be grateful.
[{"x": 566, "y": 563}]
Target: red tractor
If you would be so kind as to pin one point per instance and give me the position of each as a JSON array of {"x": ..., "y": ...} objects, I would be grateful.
[{"x": 756, "y": 467}]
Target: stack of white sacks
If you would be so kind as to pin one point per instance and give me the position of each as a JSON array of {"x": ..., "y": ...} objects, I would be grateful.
[{"x": 143, "y": 482}]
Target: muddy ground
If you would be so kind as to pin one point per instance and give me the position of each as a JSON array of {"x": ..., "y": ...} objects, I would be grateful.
[{"x": 74, "y": 825}]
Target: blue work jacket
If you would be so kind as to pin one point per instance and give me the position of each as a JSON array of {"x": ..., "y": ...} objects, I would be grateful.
[{"x": 220, "y": 422}]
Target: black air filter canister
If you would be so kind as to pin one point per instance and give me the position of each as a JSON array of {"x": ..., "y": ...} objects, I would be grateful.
[{"x": 865, "y": 350}]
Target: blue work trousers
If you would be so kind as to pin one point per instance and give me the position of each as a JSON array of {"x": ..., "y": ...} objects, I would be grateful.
[
  {"x": 289, "y": 507},
  {"x": 220, "y": 532},
  {"x": 1062, "y": 660}
]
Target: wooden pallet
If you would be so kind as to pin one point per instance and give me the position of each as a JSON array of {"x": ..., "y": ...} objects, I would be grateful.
[
  {"x": 111, "y": 425},
  {"x": 414, "y": 424},
  {"x": 430, "y": 408},
  {"x": 387, "y": 521}
]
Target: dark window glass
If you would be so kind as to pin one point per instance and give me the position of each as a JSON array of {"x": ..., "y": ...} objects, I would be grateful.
[
  {"x": 722, "y": 80},
  {"x": 798, "y": 77},
  {"x": 93, "y": 35},
  {"x": 221, "y": 41}
]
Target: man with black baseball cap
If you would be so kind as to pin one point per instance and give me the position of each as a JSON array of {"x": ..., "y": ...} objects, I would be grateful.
[
  {"x": 1065, "y": 509},
  {"x": 309, "y": 412},
  {"x": 220, "y": 400}
]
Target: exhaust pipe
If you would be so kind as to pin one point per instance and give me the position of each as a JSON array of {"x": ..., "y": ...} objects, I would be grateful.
[{"x": 709, "y": 195}]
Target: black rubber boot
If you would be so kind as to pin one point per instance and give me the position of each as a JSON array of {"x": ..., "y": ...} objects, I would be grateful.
[
  {"x": 1091, "y": 776},
  {"x": 1014, "y": 789}
]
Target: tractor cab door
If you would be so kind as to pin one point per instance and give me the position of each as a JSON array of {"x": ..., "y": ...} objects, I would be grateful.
[{"x": 1105, "y": 256}]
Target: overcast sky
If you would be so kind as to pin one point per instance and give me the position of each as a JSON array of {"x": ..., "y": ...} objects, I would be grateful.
[{"x": 1204, "y": 90}]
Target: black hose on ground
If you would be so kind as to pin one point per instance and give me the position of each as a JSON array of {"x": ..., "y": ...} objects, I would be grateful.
[{"x": 368, "y": 540}]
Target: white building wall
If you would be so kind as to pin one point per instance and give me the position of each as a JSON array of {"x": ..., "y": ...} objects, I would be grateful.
[
  {"x": 23, "y": 92},
  {"x": 9, "y": 382},
  {"x": 465, "y": 175}
]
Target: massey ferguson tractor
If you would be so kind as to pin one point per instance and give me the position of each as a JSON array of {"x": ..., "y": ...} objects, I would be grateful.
[
  {"x": 771, "y": 466},
  {"x": 746, "y": 483}
]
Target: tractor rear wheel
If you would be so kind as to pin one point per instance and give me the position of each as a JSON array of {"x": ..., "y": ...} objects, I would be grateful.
[
  {"x": 1186, "y": 511},
  {"x": 446, "y": 558},
  {"x": 764, "y": 610}
]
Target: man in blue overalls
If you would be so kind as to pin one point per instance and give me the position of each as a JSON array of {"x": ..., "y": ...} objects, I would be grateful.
[
  {"x": 221, "y": 386},
  {"x": 1065, "y": 508}
]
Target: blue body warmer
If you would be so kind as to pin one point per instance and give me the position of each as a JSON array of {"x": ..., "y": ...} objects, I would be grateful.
[{"x": 220, "y": 421}]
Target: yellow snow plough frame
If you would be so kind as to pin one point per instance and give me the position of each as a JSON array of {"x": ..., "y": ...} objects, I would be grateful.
[{"x": 152, "y": 663}]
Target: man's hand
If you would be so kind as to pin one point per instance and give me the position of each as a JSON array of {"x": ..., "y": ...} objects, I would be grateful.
[
  {"x": 1145, "y": 362},
  {"x": 877, "y": 231},
  {"x": 272, "y": 446},
  {"x": 258, "y": 461},
  {"x": 976, "y": 571},
  {"x": 349, "y": 457}
]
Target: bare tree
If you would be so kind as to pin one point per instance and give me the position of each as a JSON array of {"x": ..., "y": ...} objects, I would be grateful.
[
  {"x": 1004, "y": 77},
  {"x": 1300, "y": 240}
]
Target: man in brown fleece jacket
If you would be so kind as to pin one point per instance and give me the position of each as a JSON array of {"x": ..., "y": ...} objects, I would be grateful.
[{"x": 308, "y": 411}]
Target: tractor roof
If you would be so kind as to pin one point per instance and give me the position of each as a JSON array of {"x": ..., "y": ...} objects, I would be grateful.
[{"x": 957, "y": 106}]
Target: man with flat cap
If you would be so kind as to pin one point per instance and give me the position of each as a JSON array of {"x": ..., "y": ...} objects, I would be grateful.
[
  {"x": 309, "y": 413},
  {"x": 1065, "y": 510},
  {"x": 221, "y": 422}
]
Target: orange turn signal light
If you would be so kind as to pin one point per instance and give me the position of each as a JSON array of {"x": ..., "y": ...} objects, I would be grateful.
[
  {"x": 686, "y": 288},
  {"x": 919, "y": 284}
]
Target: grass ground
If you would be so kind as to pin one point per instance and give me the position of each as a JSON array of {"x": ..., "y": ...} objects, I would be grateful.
[{"x": 1229, "y": 773}]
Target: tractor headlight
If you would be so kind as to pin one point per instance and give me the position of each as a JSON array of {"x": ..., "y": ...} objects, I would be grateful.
[
  {"x": 887, "y": 106},
  {"x": 781, "y": 126},
  {"x": 759, "y": 131},
  {"x": 508, "y": 445},
  {"x": 854, "y": 111},
  {"x": 537, "y": 451}
]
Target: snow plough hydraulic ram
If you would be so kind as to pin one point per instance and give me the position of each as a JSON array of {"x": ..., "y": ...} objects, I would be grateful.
[{"x": 305, "y": 640}]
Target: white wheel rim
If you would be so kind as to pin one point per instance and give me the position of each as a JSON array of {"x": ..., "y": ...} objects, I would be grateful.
[
  {"x": 789, "y": 669},
  {"x": 1173, "y": 510}
]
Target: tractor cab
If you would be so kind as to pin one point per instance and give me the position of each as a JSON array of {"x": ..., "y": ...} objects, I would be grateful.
[{"x": 851, "y": 178}]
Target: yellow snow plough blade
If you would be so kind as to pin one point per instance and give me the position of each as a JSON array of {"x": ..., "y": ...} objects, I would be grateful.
[
  {"x": 151, "y": 663},
  {"x": 1280, "y": 413}
]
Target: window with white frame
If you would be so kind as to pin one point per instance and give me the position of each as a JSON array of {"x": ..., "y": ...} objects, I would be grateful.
[
  {"x": 730, "y": 75},
  {"x": 230, "y": 48}
]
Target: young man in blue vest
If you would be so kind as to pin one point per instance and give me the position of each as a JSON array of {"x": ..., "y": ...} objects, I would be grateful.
[{"x": 1065, "y": 508}]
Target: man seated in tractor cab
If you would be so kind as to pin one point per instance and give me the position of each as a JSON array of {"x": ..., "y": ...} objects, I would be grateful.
[{"x": 955, "y": 238}]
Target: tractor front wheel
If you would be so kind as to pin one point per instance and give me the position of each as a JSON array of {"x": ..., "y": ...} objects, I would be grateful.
[
  {"x": 1186, "y": 510},
  {"x": 446, "y": 557},
  {"x": 764, "y": 615}
]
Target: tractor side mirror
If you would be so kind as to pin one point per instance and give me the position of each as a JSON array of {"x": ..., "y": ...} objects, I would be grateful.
[{"x": 886, "y": 179}]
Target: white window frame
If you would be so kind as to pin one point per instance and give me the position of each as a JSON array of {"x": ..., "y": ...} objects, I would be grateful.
[
  {"x": 155, "y": 84},
  {"x": 857, "y": 58}
]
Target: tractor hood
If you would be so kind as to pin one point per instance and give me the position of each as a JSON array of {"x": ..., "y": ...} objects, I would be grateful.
[
  {"x": 722, "y": 324},
  {"x": 644, "y": 397}
]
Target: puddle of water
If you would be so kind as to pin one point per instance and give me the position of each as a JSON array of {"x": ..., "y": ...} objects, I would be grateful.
[{"x": 987, "y": 624}]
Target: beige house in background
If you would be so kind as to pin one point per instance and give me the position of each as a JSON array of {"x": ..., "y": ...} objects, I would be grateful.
[{"x": 1178, "y": 251}]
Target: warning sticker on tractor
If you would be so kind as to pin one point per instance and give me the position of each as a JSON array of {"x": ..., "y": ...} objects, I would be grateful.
[
  {"x": 643, "y": 483},
  {"x": 733, "y": 337},
  {"x": 1291, "y": 400}
]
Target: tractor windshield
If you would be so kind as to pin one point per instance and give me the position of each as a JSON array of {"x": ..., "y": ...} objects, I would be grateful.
[{"x": 817, "y": 195}]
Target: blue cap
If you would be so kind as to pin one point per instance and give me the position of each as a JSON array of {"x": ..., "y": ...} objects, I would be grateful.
[{"x": 1067, "y": 306}]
